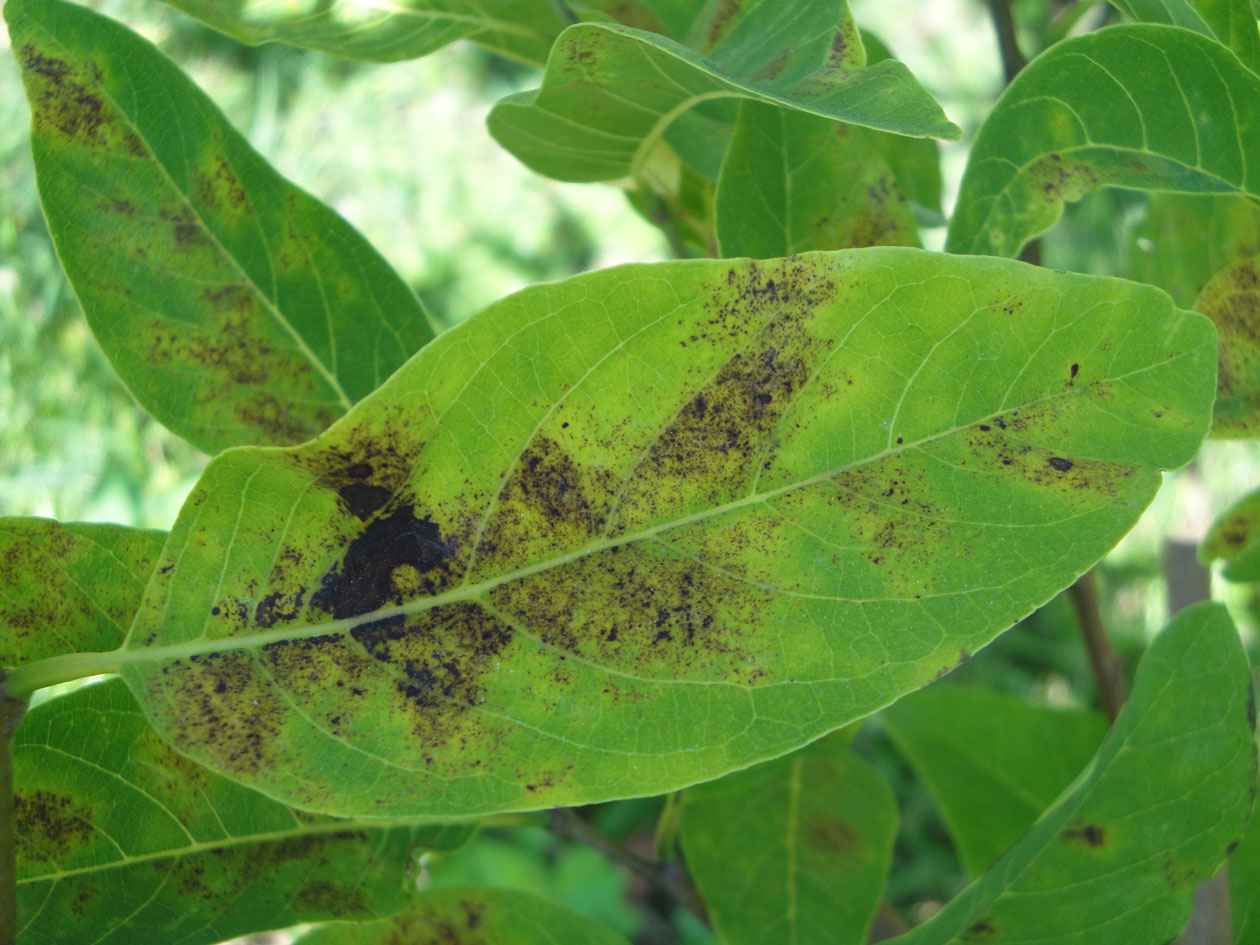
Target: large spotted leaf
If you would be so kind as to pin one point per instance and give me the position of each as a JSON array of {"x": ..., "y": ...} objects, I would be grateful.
[{"x": 639, "y": 528}]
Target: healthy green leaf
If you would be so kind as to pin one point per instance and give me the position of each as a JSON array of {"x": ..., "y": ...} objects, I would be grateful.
[
  {"x": 1235, "y": 536},
  {"x": 991, "y": 761},
  {"x": 121, "y": 840},
  {"x": 1185, "y": 239},
  {"x": 1232, "y": 22},
  {"x": 610, "y": 92},
  {"x": 473, "y": 916},
  {"x": 1147, "y": 107},
  {"x": 377, "y": 32},
  {"x": 1244, "y": 879},
  {"x": 69, "y": 588},
  {"x": 236, "y": 307},
  {"x": 793, "y": 851},
  {"x": 793, "y": 182},
  {"x": 1117, "y": 859},
  {"x": 1232, "y": 300},
  {"x": 549, "y": 562}
]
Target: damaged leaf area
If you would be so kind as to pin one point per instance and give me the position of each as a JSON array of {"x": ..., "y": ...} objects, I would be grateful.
[
  {"x": 473, "y": 916},
  {"x": 814, "y": 841},
  {"x": 237, "y": 308},
  {"x": 633, "y": 530},
  {"x": 372, "y": 32},
  {"x": 610, "y": 92},
  {"x": 1138, "y": 106},
  {"x": 1232, "y": 300},
  {"x": 69, "y": 588},
  {"x": 121, "y": 840},
  {"x": 1120, "y": 834},
  {"x": 1235, "y": 537}
]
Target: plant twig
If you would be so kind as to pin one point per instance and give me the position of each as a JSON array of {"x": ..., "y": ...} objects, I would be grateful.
[
  {"x": 1008, "y": 46},
  {"x": 1105, "y": 663},
  {"x": 10, "y": 714},
  {"x": 667, "y": 877}
]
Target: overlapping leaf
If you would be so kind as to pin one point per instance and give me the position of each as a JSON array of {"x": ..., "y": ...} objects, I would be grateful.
[
  {"x": 121, "y": 840},
  {"x": 1231, "y": 22},
  {"x": 636, "y": 529},
  {"x": 1117, "y": 859},
  {"x": 796, "y": 850},
  {"x": 69, "y": 588},
  {"x": 991, "y": 761},
  {"x": 1235, "y": 537},
  {"x": 1232, "y": 300},
  {"x": 236, "y": 307},
  {"x": 377, "y": 32},
  {"x": 1139, "y": 106},
  {"x": 611, "y": 92}
]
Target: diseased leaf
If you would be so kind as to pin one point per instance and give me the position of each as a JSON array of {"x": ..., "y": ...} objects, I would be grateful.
[
  {"x": 121, "y": 840},
  {"x": 1244, "y": 876},
  {"x": 1186, "y": 239},
  {"x": 1147, "y": 107},
  {"x": 1232, "y": 300},
  {"x": 473, "y": 916},
  {"x": 1231, "y": 22},
  {"x": 375, "y": 32},
  {"x": 793, "y": 182},
  {"x": 991, "y": 761},
  {"x": 1117, "y": 859},
  {"x": 610, "y": 92},
  {"x": 236, "y": 307},
  {"x": 69, "y": 588},
  {"x": 549, "y": 562},
  {"x": 1235, "y": 536},
  {"x": 796, "y": 850}
]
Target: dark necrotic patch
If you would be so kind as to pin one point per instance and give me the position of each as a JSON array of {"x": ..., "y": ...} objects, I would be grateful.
[
  {"x": 363, "y": 499},
  {"x": 1090, "y": 835},
  {"x": 50, "y": 826},
  {"x": 366, "y": 580},
  {"x": 1059, "y": 463},
  {"x": 62, "y": 102}
]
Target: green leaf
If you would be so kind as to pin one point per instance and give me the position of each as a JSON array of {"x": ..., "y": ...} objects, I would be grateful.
[
  {"x": 1231, "y": 22},
  {"x": 796, "y": 850},
  {"x": 473, "y": 915},
  {"x": 1092, "y": 112},
  {"x": 991, "y": 761},
  {"x": 610, "y": 92},
  {"x": 236, "y": 307},
  {"x": 676, "y": 19},
  {"x": 1235, "y": 537},
  {"x": 1117, "y": 859},
  {"x": 1232, "y": 300},
  {"x": 120, "y": 840},
  {"x": 549, "y": 561},
  {"x": 375, "y": 32},
  {"x": 793, "y": 182},
  {"x": 69, "y": 588},
  {"x": 1244, "y": 876},
  {"x": 1184, "y": 240}
]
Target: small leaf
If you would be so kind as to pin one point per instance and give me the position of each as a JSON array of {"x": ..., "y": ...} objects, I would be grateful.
[
  {"x": 236, "y": 307},
  {"x": 1235, "y": 537},
  {"x": 120, "y": 840},
  {"x": 1231, "y": 22},
  {"x": 470, "y": 916},
  {"x": 991, "y": 761},
  {"x": 549, "y": 562},
  {"x": 793, "y": 182},
  {"x": 1146, "y": 107},
  {"x": 796, "y": 850},
  {"x": 1117, "y": 859},
  {"x": 610, "y": 92},
  {"x": 1232, "y": 300},
  {"x": 376, "y": 32},
  {"x": 69, "y": 588}
]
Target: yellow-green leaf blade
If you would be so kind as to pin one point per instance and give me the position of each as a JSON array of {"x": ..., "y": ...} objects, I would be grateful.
[
  {"x": 1235, "y": 537},
  {"x": 796, "y": 850},
  {"x": 237, "y": 308},
  {"x": 69, "y": 588},
  {"x": 550, "y": 561},
  {"x": 121, "y": 840},
  {"x": 1230, "y": 22},
  {"x": 1117, "y": 859},
  {"x": 1231, "y": 299},
  {"x": 1138, "y": 106}
]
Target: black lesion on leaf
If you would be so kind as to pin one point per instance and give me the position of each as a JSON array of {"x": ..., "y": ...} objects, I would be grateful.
[
  {"x": 50, "y": 826},
  {"x": 62, "y": 101},
  {"x": 1059, "y": 463},
  {"x": 1089, "y": 835}
]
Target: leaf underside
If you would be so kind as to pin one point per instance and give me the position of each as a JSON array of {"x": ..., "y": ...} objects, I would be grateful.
[{"x": 636, "y": 529}]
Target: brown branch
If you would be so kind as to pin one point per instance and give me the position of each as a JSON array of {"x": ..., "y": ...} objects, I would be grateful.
[
  {"x": 667, "y": 877},
  {"x": 1008, "y": 46},
  {"x": 1105, "y": 663}
]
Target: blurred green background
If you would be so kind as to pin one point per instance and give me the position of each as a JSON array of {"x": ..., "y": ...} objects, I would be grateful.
[{"x": 402, "y": 152}]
